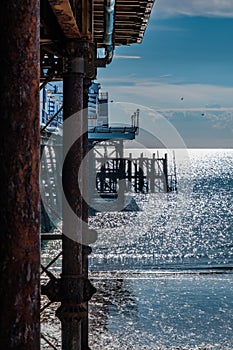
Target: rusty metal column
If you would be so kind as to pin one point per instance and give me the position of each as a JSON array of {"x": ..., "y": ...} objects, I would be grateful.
[
  {"x": 19, "y": 184},
  {"x": 71, "y": 311},
  {"x": 89, "y": 289}
]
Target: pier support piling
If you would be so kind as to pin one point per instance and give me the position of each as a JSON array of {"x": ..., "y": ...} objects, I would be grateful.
[
  {"x": 19, "y": 185},
  {"x": 73, "y": 311}
]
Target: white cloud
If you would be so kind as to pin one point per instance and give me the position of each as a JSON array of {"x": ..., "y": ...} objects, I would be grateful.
[
  {"x": 205, "y": 8},
  {"x": 127, "y": 57},
  {"x": 206, "y": 109},
  {"x": 160, "y": 95}
]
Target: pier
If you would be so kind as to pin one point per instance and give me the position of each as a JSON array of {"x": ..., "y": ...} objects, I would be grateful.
[
  {"x": 44, "y": 41},
  {"x": 140, "y": 175},
  {"x": 112, "y": 174}
]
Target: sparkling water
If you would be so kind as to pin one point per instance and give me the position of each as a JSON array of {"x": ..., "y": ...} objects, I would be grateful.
[{"x": 164, "y": 274}]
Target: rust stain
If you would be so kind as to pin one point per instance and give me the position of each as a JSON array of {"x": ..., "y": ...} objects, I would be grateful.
[
  {"x": 19, "y": 185},
  {"x": 65, "y": 18}
]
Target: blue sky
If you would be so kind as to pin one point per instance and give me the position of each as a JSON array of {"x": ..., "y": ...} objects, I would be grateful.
[{"x": 183, "y": 69}]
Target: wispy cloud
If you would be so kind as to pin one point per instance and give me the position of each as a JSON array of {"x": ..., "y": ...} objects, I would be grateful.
[
  {"x": 165, "y": 75},
  {"x": 158, "y": 94},
  {"x": 197, "y": 109},
  {"x": 127, "y": 57},
  {"x": 205, "y": 8}
]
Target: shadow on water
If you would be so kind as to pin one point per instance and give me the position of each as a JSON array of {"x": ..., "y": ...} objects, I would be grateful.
[
  {"x": 113, "y": 298},
  {"x": 162, "y": 310}
]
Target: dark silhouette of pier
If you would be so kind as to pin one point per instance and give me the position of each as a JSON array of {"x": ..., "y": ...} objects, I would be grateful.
[{"x": 140, "y": 175}]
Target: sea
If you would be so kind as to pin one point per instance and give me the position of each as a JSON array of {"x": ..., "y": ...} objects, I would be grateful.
[{"x": 164, "y": 274}]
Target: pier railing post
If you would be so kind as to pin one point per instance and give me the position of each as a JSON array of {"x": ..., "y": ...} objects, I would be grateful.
[
  {"x": 165, "y": 173},
  {"x": 19, "y": 185}
]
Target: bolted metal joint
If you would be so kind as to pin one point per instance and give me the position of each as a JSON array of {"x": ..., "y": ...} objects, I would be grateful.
[
  {"x": 74, "y": 65},
  {"x": 81, "y": 55},
  {"x": 77, "y": 48},
  {"x": 71, "y": 312},
  {"x": 52, "y": 290}
]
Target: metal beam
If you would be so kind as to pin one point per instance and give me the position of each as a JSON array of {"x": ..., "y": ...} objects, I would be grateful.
[{"x": 65, "y": 18}]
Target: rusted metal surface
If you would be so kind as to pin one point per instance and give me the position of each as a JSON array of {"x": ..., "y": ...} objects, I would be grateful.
[
  {"x": 89, "y": 290},
  {"x": 19, "y": 185},
  {"x": 71, "y": 311},
  {"x": 76, "y": 289},
  {"x": 86, "y": 18},
  {"x": 65, "y": 18}
]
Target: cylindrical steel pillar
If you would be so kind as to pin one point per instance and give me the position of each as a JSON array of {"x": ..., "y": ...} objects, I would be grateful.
[
  {"x": 19, "y": 176},
  {"x": 71, "y": 311}
]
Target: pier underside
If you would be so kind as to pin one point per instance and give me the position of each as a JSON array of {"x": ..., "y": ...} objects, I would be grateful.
[
  {"x": 63, "y": 45},
  {"x": 99, "y": 23}
]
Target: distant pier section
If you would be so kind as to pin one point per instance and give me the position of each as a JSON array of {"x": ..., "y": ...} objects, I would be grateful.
[
  {"x": 140, "y": 175},
  {"x": 113, "y": 173}
]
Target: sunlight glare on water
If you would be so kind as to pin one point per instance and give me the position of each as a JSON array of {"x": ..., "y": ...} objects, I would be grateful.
[{"x": 164, "y": 274}]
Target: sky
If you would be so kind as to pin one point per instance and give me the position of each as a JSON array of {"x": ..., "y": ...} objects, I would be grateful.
[{"x": 182, "y": 70}]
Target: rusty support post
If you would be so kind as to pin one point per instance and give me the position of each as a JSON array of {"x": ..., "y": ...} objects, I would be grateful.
[
  {"x": 19, "y": 185},
  {"x": 86, "y": 249},
  {"x": 72, "y": 311}
]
